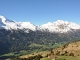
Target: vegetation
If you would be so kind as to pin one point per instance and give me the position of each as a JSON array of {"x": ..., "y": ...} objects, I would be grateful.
[
  {"x": 46, "y": 58},
  {"x": 17, "y": 42},
  {"x": 49, "y": 54},
  {"x": 71, "y": 49},
  {"x": 68, "y": 58}
]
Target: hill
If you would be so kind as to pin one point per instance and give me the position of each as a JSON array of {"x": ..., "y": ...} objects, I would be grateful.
[{"x": 71, "y": 49}]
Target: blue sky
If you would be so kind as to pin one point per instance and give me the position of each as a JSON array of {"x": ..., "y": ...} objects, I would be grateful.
[{"x": 41, "y": 11}]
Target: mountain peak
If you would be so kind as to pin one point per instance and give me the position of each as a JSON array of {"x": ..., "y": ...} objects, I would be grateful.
[
  {"x": 59, "y": 26},
  {"x": 61, "y": 22},
  {"x": 2, "y": 18}
]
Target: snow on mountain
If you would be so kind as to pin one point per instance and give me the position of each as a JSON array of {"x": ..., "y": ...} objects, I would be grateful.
[
  {"x": 27, "y": 25},
  {"x": 8, "y": 24},
  {"x": 58, "y": 26}
]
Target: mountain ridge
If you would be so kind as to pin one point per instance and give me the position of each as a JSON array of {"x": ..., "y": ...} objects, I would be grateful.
[{"x": 59, "y": 26}]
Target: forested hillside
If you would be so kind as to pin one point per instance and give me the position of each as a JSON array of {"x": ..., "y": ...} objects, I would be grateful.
[{"x": 17, "y": 40}]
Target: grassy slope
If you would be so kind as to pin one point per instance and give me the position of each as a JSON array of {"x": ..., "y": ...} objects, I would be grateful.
[
  {"x": 69, "y": 49},
  {"x": 43, "y": 53},
  {"x": 68, "y": 58},
  {"x": 46, "y": 59},
  {"x": 64, "y": 58}
]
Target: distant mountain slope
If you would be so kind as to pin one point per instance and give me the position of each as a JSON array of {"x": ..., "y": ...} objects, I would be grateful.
[{"x": 71, "y": 49}]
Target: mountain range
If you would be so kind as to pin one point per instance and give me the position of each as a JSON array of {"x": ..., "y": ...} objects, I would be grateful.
[
  {"x": 59, "y": 26},
  {"x": 18, "y": 36}
]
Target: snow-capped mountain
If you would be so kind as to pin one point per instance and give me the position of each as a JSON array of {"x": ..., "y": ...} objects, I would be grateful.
[
  {"x": 58, "y": 26},
  {"x": 8, "y": 24}
]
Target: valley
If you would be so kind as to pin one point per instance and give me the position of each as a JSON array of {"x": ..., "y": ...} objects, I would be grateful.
[
  {"x": 71, "y": 54},
  {"x": 25, "y": 41}
]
